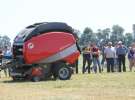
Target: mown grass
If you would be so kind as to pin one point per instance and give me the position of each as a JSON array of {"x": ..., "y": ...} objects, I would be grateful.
[
  {"x": 105, "y": 86},
  {"x": 113, "y": 86}
]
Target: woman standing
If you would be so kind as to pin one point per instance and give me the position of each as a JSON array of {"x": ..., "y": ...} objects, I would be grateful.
[
  {"x": 86, "y": 59},
  {"x": 95, "y": 56}
]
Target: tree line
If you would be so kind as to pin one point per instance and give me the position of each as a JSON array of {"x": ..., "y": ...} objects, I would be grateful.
[{"x": 101, "y": 37}]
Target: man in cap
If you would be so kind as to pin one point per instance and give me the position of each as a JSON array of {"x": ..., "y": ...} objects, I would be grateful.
[{"x": 121, "y": 53}]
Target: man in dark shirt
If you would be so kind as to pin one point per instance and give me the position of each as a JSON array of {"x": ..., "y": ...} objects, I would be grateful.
[
  {"x": 121, "y": 53},
  {"x": 77, "y": 61}
]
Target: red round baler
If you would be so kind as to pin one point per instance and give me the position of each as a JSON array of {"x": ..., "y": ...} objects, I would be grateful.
[{"x": 43, "y": 50}]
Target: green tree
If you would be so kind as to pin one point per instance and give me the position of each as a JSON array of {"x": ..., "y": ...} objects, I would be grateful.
[
  {"x": 99, "y": 34},
  {"x": 117, "y": 33},
  {"x": 102, "y": 36},
  {"x": 88, "y": 30},
  {"x": 87, "y": 36},
  {"x": 128, "y": 39},
  {"x": 106, "y": 33}
]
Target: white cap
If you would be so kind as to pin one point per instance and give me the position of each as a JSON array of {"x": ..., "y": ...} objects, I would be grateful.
[
  {"x": 120, "y": 42},
  {"x": 110, "y": 43}
]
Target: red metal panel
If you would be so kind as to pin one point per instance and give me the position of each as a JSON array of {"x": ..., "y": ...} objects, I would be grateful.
[
  {"x": 45, "y": 45},
  {"x": 72, "y": 58}
]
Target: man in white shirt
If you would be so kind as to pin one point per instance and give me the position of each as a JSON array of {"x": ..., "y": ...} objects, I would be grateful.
[{"x": 110, "y": 55}]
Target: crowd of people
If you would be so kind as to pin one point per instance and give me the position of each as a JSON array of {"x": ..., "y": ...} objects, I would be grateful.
[{"x": 113, "y": 57}]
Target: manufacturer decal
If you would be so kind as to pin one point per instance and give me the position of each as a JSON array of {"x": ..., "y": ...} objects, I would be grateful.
[{"x": 30, "y": 45}]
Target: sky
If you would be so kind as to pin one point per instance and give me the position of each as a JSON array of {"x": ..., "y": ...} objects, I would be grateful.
[{"x": 15, "y": 15}]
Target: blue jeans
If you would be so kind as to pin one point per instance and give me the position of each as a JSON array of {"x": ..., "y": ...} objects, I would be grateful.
[
  {"x": 110, "y": 64},
  {"x": 7, "y": 57},
  {"x": 95, "y": 63}
]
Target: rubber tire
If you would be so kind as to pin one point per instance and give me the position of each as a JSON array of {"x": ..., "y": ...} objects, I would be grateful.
[
  {"x": 35, "y": 79},
  {"x": 60, "y": 67}
]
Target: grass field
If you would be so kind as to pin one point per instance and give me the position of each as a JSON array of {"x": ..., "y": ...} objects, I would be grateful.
[{"x": 112, "y": 86}]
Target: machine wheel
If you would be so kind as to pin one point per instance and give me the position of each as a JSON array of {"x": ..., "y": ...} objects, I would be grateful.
[
  {"x": 62, "y": 71},
  {"x": 35, "y": 79}
]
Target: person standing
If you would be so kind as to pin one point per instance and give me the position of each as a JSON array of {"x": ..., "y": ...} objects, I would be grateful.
[
  {"x": 116, "y": 62},
  {"x": 103, "y": 56},
  {"x": 95, "y": 56},
  {"x": 7, "y": 55},
  {"x": 131, "y": 58},
  {"x": 110, "y": 55},
  {"x": 0, "y": 57},
  {"x": 75, "y": 65},
  {"x": 86, "y": 59},
  {"x": 78, "y": 48},
  {"x": 121, "y": 53},
  {"x": 0, "y": 61}
]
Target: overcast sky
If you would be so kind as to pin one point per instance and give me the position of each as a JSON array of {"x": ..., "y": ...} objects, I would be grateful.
[{"x": 16, "y": 14}]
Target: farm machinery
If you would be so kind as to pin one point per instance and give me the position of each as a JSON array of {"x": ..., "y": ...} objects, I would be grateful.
[{"x": 44, "y": 50}]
